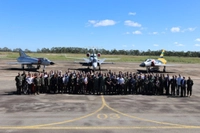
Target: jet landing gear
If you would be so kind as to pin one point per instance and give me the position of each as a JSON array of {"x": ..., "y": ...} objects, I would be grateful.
[
  {"x": 148, "y": 69},
  {"x": 164, "y": 69},
  {"x": 23, "y": 67},
  {"x": 44, "y": 69}
]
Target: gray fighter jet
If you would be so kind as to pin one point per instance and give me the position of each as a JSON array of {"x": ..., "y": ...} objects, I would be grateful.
[{"x": 24, "y": 59}]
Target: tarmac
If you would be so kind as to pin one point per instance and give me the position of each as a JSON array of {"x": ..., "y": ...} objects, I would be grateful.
[{"x": 61, "y": 113}]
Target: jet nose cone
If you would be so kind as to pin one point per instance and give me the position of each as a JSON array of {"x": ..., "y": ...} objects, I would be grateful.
[
  {"x": 52, "y": 63},
  {"x": 142, "y": 64}
]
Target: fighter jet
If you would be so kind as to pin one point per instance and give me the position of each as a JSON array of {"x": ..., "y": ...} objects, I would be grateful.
[
  {"x": 155, "y": 64},
  {"x": 24, "y": 59},
  {"x": 93, "y": 61}
]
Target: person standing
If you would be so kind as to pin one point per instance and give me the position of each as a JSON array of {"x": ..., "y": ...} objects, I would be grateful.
[
  {"x": 189, "y": 86},
  {"x": 29, "y": 80},
  {"x": 173, "y": 85},
  {"x": 183, "y": 87},
  {"x": 37, "y": 83},
  {"x": 19, "y": 80},
  {"x": 178, "y": 84},
  {"x": 167, "y": 84}
]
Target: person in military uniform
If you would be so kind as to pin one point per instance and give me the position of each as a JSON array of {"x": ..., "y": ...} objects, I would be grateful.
[
  {"x": 96, "y": 84},
  {"x": 114, "y": 84},
  {"x": 37, "y": 84},
  {"x": 189, "y": 86},
  {"x": 108, "y": 84},
  {"x": 60, "y": 83},
  {"x": 42, "y": 89},
  {"x": 146, "y": 85},
  {"x": 157, "y": 86},
  {"x": 131, "y": 85},
  {"x": 19, "y": 80},
  {"x": 24, "y": 83}
]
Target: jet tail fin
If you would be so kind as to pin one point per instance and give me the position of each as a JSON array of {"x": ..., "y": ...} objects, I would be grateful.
[
  {"x": 162, "y": 54},
  {"x": 22, "y": 53}
]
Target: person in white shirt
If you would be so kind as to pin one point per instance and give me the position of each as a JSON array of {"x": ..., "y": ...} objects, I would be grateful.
[
  {"x": 121, "y": 84},
  {"x": 29, "y": 80}
]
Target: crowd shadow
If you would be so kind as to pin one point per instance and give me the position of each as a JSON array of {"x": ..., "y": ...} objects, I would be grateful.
[
  {"x": 87, "y": 69},
  {"x": 11, "y": 93}
]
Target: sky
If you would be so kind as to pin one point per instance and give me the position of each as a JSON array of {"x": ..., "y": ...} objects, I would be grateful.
[{"x": 109, "y": 24}]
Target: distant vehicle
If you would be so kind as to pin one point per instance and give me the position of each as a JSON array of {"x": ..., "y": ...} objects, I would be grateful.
[
  {"x": 155, "y": 64},
  {"x": 24, "y": 59},
  {"x": 93, "y": 61}
]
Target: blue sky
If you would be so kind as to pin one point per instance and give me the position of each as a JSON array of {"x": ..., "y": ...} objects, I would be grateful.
[{"x": 109, "y": 24}]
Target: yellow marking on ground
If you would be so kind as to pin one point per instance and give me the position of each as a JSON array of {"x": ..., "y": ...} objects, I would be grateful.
[
  {"x": 76, "y": 119},
  {"x": 102, "y": 127},
  {"x": 104, "y": 104},
  {"x": 142, "y": 119}
]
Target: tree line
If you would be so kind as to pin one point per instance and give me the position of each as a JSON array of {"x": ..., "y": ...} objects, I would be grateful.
[{"x": 107, "y": 52}]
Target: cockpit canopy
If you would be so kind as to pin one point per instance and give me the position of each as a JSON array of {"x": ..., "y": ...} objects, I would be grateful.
[{"x": 148, "y": 60}]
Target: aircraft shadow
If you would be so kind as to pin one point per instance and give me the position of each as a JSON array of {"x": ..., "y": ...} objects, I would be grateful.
[
  {"x": 86, "y": 69},
  {"x": 144, "y": 71},
  {"x": 20, "y": 69}
]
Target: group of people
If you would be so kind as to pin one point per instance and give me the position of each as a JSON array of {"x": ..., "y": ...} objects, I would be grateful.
[{"x": 108, "y": 83}]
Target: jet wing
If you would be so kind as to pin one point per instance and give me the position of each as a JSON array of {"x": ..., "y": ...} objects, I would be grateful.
[
  {"x": 16, "y": 63},
  {"x": 101, "y": 61},
  {"x": 86, "y": 62},
  {"x": 160, "y": 65}
]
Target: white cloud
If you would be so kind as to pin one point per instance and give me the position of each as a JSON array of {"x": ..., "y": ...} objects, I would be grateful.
[
  {"x": 155, "y": 45},
  {"x": 192, "y": 29},
  {"x": 155, "y": 33},
  {"x": 175, "y": 29},
  {"x": 92, "y": 21},
  {"x": 175, "y": 42},
  {"x": 132, "y": 23},
  {"x": 137, "y": 32},
  {"x": 127, "y": 33},
  {"x": 189, "y": 29},
  {"x": 132, "y": 13},
  {"x": 105, "y": 22},
  {"x": 197, "y": 45},
  {"x": 198, "y": 39},
  {"x": 178, "y": 44}
]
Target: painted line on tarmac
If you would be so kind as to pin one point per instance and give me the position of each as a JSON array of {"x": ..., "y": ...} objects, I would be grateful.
[
  {"x": 76, "y": 119},
  {"x": 104, "y": 104},
  {"x": 57, "y": 123},
  {"x": 101, "y": 127},
  {"x": 142, "y": 119}
]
